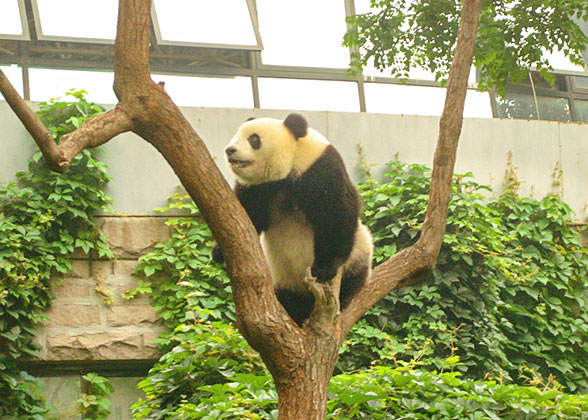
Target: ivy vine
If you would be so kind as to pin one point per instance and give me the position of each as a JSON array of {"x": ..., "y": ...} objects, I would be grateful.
[
  {"x": 44, "y": 218},
  {"x": 508, "y": 296}
]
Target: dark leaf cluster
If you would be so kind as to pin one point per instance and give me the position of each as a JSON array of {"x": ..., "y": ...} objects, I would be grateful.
[{"x": 508, "y": 296}]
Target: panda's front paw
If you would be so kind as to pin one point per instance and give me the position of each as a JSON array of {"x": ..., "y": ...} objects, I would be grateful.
[
  {"x": 323, "y": 273},
  {"x": 217, "y": 255}
]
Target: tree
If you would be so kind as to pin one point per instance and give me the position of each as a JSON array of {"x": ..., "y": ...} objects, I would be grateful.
[
  {"x": 513, "y": 37},
  {"x": 300, "y": 359}
]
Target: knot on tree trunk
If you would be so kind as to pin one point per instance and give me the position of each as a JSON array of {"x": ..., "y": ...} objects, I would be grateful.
[{"x": 326, "y": 301}]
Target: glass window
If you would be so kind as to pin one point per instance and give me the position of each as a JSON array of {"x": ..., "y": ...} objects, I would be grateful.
[
  {"x": 311, "y": 95},
  {"x": 522, "y": 106},
  {"x": 70, "y": 18},
  {"x": 581, "y": 110},
  {"x": 580, "y": 83},
  {"x": 14, "y": 75},
  {"x": 559, "y": 61},
  {"x": 63, "y": 393},
  {"x": 124, "y": 396},
  {"x": 421, "y": 100},
  {"x": 46, "y": 84},
  {"x": 303, "y": 33},
  {"x": 404, "y": 99},
  {"x": 208, "y": 91},
  {"x": 212, "y": 22},
  {"x": 364, "y": 6},
  {"x": 10, "y": 23}
]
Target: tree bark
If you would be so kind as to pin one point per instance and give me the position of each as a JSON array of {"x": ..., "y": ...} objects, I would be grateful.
[{"x": 300, "y": 359}]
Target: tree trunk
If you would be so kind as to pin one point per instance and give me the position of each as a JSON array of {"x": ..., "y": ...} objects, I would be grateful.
[{"x": 302, "y": 393}]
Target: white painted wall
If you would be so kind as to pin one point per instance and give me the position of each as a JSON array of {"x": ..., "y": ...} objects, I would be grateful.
[{"x": 142, "y": 179}]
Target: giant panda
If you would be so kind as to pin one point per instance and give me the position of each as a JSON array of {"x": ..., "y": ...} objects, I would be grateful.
[{"x": 293, "y": 184}]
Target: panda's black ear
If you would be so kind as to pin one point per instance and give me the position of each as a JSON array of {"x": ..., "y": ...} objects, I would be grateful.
[
  {"x": 297, "y": 124},
  {"x": 249, "y": 119}
]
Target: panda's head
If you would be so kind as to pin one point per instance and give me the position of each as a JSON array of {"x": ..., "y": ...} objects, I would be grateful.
[{"x": 266, "y": 149}]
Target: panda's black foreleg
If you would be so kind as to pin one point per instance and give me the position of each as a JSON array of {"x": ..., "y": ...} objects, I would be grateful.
[{"x": 298, "y": 305}]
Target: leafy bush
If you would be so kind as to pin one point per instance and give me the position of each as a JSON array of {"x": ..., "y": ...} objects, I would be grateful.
[
  {"x": 508, "y": 295},
  {"x": 192, "y": 296},
  {"x": 383, "y": 392},
  {"x": 203, "y": 355},
  {"x": 44, "y": 217}
]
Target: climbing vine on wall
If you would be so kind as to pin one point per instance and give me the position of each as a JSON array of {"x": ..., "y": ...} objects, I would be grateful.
[{"x": 44, "y": 218}]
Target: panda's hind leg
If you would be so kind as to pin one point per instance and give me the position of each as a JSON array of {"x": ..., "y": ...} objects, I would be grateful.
[{"x": 299, "y": 305}]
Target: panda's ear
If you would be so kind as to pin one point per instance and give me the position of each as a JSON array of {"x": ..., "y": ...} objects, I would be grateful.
[
  {"x": 249, "y": 119},
  {"x": 297, "y": 124}
]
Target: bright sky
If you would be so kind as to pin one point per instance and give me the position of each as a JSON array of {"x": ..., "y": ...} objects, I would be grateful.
[{"x": 299, "y": 33}]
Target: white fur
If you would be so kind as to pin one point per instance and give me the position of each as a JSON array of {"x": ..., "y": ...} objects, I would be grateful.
[
  {"x": 280, "y": 153},
  {"x": 288, "y": 264}
]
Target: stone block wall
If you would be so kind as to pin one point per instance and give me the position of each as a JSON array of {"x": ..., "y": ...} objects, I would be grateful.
[{"x": 82, "y": 324}]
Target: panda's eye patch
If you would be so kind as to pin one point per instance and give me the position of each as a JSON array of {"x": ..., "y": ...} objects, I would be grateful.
[{"x": 254, "y": 141}]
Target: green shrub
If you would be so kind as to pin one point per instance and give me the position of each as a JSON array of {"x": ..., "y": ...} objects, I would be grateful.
[
  {"x": 383, "y": 392},
  {"x": 180, "y": 276},
  {"x": 95, "y": 404},
  {"x": 202, "y": 355}
]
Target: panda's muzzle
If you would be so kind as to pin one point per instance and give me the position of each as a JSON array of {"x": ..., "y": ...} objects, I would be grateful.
[{"x": 230, "y": 151}]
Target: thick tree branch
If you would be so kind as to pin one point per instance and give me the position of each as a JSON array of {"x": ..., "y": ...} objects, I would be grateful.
[
  {"x": 95, "y": 132},
  {"x": 450, "y": 129},
  {"x": 160, "y": 122},
  {"x": 53, "y": 156},
  {"x": 412, "y": 264}
]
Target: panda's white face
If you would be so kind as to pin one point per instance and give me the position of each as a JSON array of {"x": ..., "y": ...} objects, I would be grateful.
[{"x": 262, "y": 150}]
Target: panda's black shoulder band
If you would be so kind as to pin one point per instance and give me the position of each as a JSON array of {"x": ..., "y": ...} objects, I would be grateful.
[{"x": 297, "y": 124}]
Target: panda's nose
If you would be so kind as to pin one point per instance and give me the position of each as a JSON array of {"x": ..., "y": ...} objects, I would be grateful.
[{"x": 230, "y": 151}]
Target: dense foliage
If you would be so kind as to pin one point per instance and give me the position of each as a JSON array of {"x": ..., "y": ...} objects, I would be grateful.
[
  {"x": 44, "y": 218},
  {"x": 507, "y": 302},
  {"x": 400, "y": 35},
  {"x": 508, "y": 296},
  {"x": 383, "y": 392}
]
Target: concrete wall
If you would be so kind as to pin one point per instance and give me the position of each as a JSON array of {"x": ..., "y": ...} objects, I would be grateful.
[
  {"x": 82, "y": 327},
  {"x": 142, "y": 179}
]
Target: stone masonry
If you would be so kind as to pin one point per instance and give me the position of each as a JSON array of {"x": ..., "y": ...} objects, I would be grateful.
[{"x": 82, "y": 325}]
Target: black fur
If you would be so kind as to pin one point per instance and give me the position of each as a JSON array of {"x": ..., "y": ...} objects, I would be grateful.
[
  {"x": 331, "y": 204},
  {"x": 328, "y": 199},
  {"x": 298, "y": 305},
  {"x": 297, "y": 124}
]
